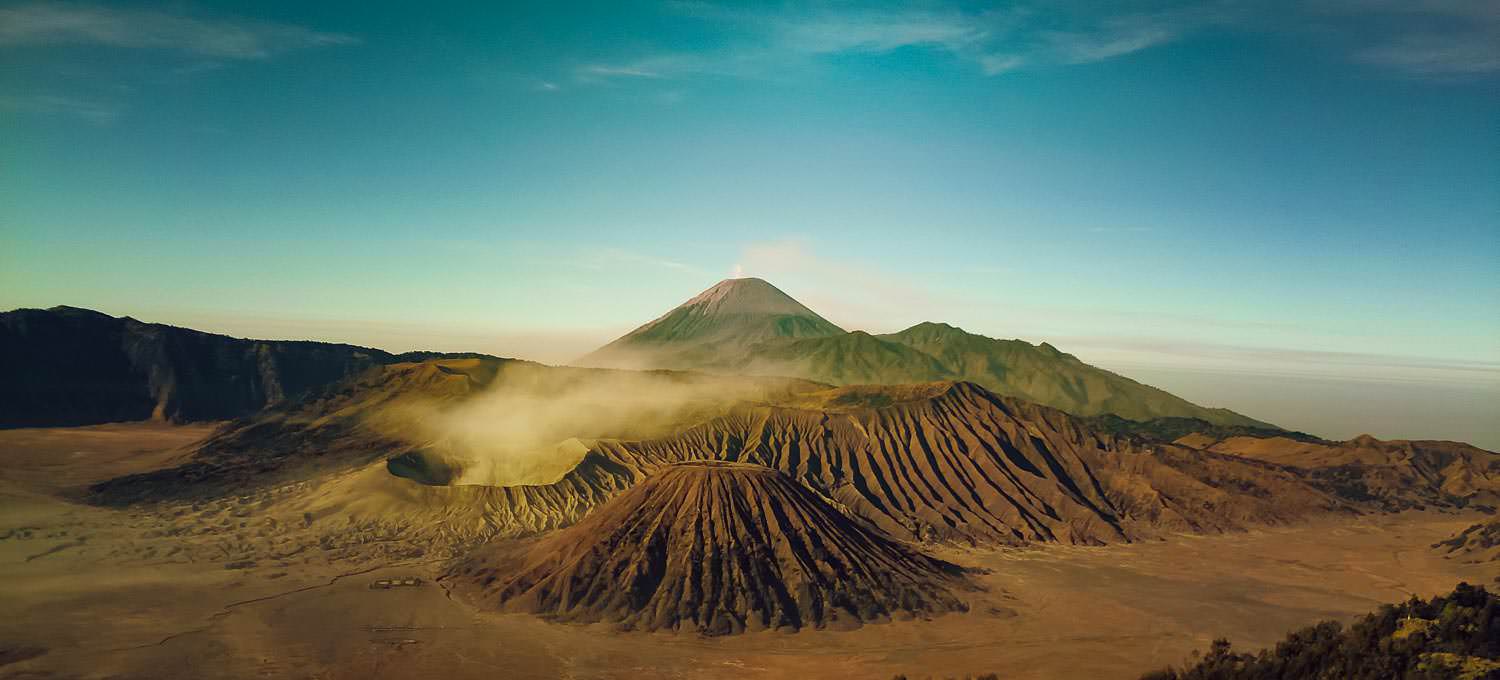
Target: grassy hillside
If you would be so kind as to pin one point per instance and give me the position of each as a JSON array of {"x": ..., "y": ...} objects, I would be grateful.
[
  {"x": 846, "y": 359},
  {"x": 1171, "y": 429},
  {"x": 1045, "y": 375}
]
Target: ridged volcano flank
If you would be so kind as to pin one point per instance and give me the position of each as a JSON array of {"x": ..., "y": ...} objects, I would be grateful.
[
  {"x": 718, "y": 323},
  {"x": 717, "y": 548}
]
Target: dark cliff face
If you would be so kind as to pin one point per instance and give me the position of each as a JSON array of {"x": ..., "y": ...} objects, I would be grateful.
[{"x": 69, "y": 366}]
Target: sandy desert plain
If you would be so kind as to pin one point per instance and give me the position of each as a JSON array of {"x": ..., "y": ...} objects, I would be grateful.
[{"x": 94, "y": 592}]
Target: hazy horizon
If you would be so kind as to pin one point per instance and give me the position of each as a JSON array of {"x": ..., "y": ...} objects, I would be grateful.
[
  {"x": 1288, "y": 208},
  {"x": 1385, "y": 396}
]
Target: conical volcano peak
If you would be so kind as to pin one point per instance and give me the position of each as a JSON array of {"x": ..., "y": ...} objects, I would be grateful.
[
  {"x": 747, "y": 295},
  {"x": 715, "y": 326}
]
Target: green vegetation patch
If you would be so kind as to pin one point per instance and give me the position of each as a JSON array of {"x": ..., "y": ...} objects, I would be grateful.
[{"x": 1449, "y": 636}]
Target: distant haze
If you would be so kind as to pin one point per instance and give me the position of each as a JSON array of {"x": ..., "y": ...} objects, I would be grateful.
[
  {"x": 1390, "y": 400},
  {"x": 1343, "y": 408}
]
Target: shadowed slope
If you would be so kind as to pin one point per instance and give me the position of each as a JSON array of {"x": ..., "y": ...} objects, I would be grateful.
[
  {"x": 717, "y": 548},
  {"x": 70, "y": 366}
]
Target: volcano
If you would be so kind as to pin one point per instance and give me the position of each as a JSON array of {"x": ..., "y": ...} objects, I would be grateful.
[
  {"x": 717, "y": 548},
  {"x": 715, "y": 327},
  {"x": 749, "y": 327}
]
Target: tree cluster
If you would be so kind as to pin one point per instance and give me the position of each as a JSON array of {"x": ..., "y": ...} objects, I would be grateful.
[{"x": 1449, "y": 636}]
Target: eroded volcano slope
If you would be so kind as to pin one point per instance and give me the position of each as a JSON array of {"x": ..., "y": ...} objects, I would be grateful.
[
  {"x": 940, "y": 461},
  {"x": 952, "y": 462},
  {"x": 716, "y": 548}
]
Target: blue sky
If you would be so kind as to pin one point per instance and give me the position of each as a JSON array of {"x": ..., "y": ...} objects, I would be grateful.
[{"x": 1220, "y": 198}]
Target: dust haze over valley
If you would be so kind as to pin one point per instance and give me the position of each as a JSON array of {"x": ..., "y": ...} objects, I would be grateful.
[
  {"x": 530, "y": 428},
  {"x": 1146, "y": 340}
]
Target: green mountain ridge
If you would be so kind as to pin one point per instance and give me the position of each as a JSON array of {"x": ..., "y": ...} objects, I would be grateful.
[
  {"x": 1046, "y": 375},
  {"x": 748, "y": 326},
  {"x": 849, "y": 359}
]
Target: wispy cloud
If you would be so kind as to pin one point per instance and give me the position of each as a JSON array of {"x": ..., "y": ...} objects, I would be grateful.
[
  {"x": 192, "y": 45},
  {"x": 781, "y": 42},
  {"x": 1437, "y": 55},
  {"x": 1415, "y": 37},
  {"x": 67, "y": 24},
  {"x": 1423, "y": 38},
  {"x": 627, "y": 71},
  {"x": 994, "y": 42},
  {"x": 744, "y": 63},
  {"x": 1118, "y": 38},
  {"x": 996, "y": 64},
  {"x": 873, "y": 31},
  {"x": 98, "y": 113}
]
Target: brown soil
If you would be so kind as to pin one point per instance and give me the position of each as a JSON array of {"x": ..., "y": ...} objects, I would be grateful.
[
  {"x": 1477, "y": 544},
  {"x": 67, "y": 458},
  {"x": 144, "y": 593}
]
